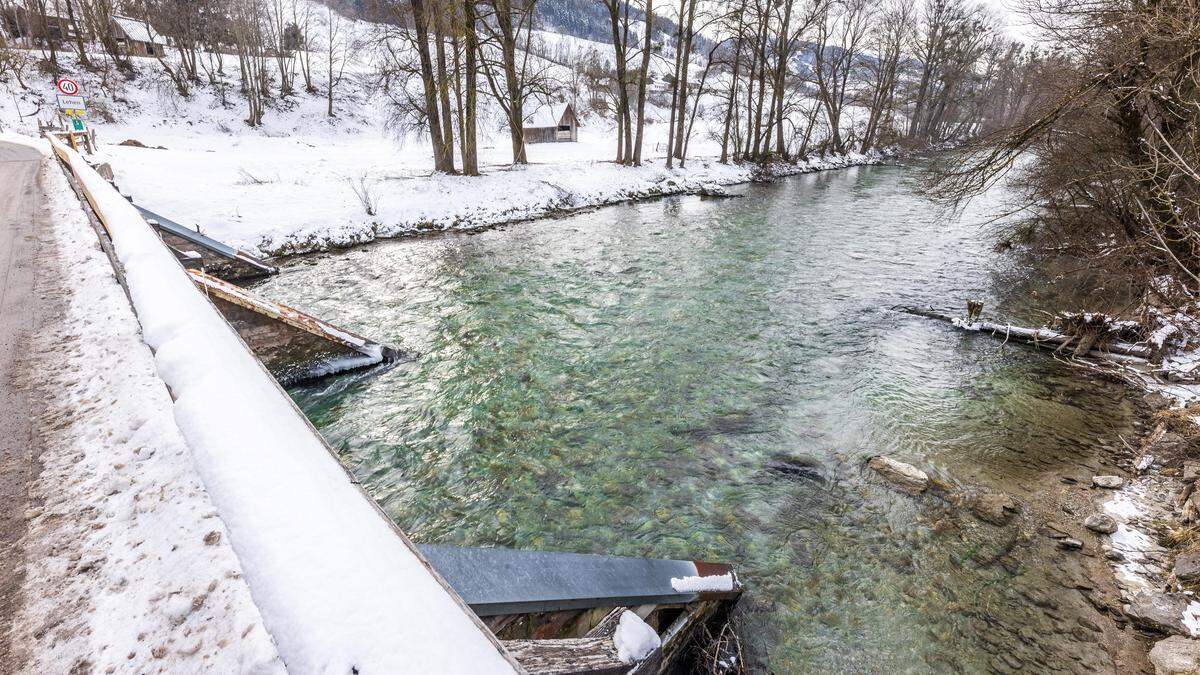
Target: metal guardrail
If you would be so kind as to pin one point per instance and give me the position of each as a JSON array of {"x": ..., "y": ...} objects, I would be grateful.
[
  {"x": 498, "y": 581},
  {"x": 198, "y": 239}
]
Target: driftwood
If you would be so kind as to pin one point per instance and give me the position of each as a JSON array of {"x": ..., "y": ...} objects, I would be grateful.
[{"x": 1039, "y": 337}]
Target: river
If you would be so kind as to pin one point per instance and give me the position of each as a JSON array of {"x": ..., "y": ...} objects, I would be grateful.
[{"x": 643, "y": 380}]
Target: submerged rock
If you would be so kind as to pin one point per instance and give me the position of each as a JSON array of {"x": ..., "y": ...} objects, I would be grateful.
[
  {"x": 996, "y": 508},
  {"x": 1108, "y": 482},
  {"x": 797, "y": 466},
  {"x": 1187, "y": 567},
  {"x": 1159, "y": 612},
  {"x": 906, "y": 477},
  {"x": 1101, "y": 522},
  {"x": 1176, "y": 655}
]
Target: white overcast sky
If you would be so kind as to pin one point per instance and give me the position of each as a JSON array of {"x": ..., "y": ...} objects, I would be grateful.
[{"x": 1007, "y": 11}]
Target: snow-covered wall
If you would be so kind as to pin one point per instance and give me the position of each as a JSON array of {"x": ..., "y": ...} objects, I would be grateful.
[{"x": 339, "y": 588}]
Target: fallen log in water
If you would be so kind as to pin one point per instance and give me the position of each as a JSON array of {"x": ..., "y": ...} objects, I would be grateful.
[{"x": 1039, "y": 337}]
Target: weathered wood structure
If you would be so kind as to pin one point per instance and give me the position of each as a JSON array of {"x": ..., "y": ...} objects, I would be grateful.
[
  {"x": 552, "y": 124},
  {"x": 293, "y": 346},
  {"x": 196, "y": 251},
  {"x": 137, "y": 37},
  {"x": 18, "y": 22}
]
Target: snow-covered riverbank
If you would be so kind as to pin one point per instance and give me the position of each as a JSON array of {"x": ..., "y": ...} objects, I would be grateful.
[{"x": 281, "y": 196}]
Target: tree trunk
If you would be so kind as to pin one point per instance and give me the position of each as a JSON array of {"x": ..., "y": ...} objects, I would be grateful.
[
  {"x": 508, "y": 48},
  {"x": 643, "y": 75},
  {"x": 688, "y": 32},
  {"x": 432, "y": 115},
  {"x": 470, "y": 144},
  {"x": 443, "y": 77}
]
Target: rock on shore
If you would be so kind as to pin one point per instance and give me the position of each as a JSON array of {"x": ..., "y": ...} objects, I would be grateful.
[
  {"x": 1101, "y": 523},
  {"x": 996, "y": 508},
  {"x": 1176, "y": 656},
  {"x": 1159, "y": 612}
]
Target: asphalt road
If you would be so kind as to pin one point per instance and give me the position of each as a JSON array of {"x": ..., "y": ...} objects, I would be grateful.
[{"x": 20, "y": 313}]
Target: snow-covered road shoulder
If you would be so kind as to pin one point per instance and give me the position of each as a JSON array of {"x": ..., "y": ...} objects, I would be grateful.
[{"x": 128, "y": 567}]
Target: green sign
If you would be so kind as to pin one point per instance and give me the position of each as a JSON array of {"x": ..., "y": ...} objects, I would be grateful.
[{"x": 76, "y": 124}]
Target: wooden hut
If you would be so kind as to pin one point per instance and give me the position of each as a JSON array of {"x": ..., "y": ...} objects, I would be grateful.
[
  {"x": 137, "y": 37},
  {"x": 20, "y": 23},
  {"x": 552, "y": 124}
]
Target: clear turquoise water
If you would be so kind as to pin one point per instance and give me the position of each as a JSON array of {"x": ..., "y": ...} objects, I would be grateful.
[{"x": 628, "y": 381}]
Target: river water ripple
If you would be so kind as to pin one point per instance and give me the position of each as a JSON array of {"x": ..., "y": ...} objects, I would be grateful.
[{"x": 644, "y": 380}]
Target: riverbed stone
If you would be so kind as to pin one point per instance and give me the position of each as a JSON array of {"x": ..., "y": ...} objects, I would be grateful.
[
  {"x": 798, "y": 465},
  {"x": 1176, "y": 655},
  {"x": 1158, "y": 612},
  {"x": 1101, "y": 522},
  {"x": 1191, "y": 471},
  {"x": 1169, "y": 444},
  {"x": 1157, "y": 401},
  {"x": 1108, "y": 482},
  {"x": 996, "y": 508},
  {"x": 1070, "y": 544},
  {"x": 1187, "y": 567},
  {"x": 906, "y": 477}
]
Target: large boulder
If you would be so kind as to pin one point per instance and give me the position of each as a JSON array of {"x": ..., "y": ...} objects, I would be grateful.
[
  {"x": 1187, "y": 567},
  {"x": 1176, "y": 656},
  {"x": 996, "y": 508},
  {"x": 906, "y": 477},
  {"x": 1101, "y": 523},
  {"x": 1158, "y": 612}
]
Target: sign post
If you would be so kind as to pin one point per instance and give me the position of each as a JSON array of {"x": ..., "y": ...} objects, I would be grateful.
[
  {"x": 67, "y": 87},
  {"x": 73, "y": 108}
]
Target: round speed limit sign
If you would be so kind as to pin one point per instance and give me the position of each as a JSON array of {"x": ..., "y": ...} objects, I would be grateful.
[{"x": 68, "y": 87}]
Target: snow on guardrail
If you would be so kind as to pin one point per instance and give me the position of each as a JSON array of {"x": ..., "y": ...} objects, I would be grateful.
[{"x": 339, "y": 587}]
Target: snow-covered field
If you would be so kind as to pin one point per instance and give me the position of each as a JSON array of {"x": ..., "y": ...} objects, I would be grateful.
[{"x": 304, "y": 181}]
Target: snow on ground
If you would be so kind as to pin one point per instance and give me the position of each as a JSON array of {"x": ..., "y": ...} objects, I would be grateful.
[
  {"x": 129, "y": 568},
  {"x": 282, "y": 195},
  {"x": 339, "y": 588},
  {"x": 634, "y": 638},
  {"x": 304, "y": 181},
  {"x": 1138, "y": 507}
]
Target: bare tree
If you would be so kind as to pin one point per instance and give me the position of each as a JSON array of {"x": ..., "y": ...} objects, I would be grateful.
[
  {"x": 840, "y": 31},
  {"x": 338, "y": 47},
  {"x": 512, "y": 80},
  {"x": 250, "y": 41}
]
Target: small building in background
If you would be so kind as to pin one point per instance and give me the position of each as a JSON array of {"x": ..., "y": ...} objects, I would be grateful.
[
  {"x": 552, "y": 124},
  {"x": 137, "y": 37},
  {"x": 19, "y": 23}
]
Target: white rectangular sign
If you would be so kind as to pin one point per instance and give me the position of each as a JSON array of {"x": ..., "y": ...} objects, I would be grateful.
[{"x": 71, "y": 103}]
